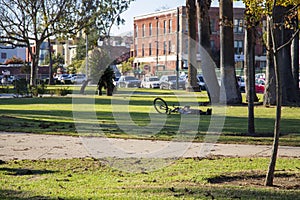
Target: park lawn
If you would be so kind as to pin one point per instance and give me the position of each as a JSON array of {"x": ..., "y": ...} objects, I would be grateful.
[
  {"x": 130, "y": 114},
  {"x": 210, "y": 178}
]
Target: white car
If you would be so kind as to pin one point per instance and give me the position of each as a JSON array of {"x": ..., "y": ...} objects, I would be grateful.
[
  {"x": 78, "y": 78},
  {"x": 65, "y": 78},
  {"x": 150, "y": 82}
]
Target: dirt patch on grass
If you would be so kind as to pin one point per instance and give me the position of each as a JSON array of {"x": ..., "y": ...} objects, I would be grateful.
[{"x": 282, "y": 180}]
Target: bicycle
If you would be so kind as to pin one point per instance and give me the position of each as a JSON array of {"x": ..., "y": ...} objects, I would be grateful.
[{"x": 162, "y": 107}]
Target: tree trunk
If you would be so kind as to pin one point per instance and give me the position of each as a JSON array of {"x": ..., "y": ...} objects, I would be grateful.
[
  {"x": 270, "y": 85},
  {"x": 51, "y": 81},
  {"x": 282, "y": 36},
  {"x": 34, "y": 66},
  {"x": 249, "y": 67},
  {"x": 208, "y": 71},
  {"x": 271, "y": 169},
  {"x": 231, "y": 94},
  {"x": 192, "y": 44},
  {"x": 295, "y": 60}
]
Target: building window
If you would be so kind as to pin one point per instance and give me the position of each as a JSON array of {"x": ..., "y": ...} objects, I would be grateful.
[
  {"x": 136, "y": 31},
  {"x": 135, "y": 50},
  {"x": 165, "y": 48},
  {"x": 3, "y": 55},
  {"x": 165, "y": 26},
  {"x": 170, "y": 47},
  {"x": 150, "y": 49},
  {"x": 238, "y": 26},
  {"x": 238, "y": 47},
  {"x": 212, "y": 44},
  {"x": 212, "y": 25},
  {"x": 170, "y": 26},
  {"x": 143, "y": 30},
  {"x": 157, "y": 27},
  {"x": 150, "y": 29},
  {"x": 143, "y": 50}
]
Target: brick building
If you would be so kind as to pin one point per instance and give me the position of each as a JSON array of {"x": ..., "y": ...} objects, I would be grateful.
[{"x": 157, "y": 36}]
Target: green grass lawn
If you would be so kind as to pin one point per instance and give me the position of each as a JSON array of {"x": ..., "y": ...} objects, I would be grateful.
[
  {"x": 214, "y": 178},
  {"x": 130, "y": 114}
]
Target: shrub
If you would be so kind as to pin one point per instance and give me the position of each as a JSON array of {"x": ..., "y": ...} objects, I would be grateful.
[
  {"x": 38, "y": 90},
  {"x": 62, "y": 91}
]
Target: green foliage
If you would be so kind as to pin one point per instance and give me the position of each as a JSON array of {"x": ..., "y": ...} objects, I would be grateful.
[
  {"x": 81, "y": 45},
  {"x": 21, "y": 87},
  {"x": 62, "y": 91},
  {"x": 38, "y": 90},
  {"x": 30, "y": 22},
  {"x": 25, "y": 69},
  {"x": 126, "y": 66},
  {"x": 57, "y": 61},
  {"x": 98, "y": 62},
  {"x": 75, "y": 66}
]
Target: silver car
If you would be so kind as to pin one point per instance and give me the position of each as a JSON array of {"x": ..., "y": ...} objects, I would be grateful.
[
  {"x": 169, "y": 82},
  {"x": 128, "y": 81}
]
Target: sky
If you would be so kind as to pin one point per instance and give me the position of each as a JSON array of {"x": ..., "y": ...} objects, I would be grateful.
[{"x": 141, "y": 7}]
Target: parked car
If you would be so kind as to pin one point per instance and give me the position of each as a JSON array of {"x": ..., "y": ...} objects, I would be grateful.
[
  {"x": 78, "y": 78},
  {"x": 241, "y": 83},
  {"x": 200, "y": 81},
  {"x": 169, "y": 82},
  {"x": 150, "y": 82},
  {"x": 260, "y": 85},
  {"x": 65, "y": 78},
  {"x": 128, "y": 81},
  {"x": 7, "y": 79},
  {"x": 260, "y": 76}
]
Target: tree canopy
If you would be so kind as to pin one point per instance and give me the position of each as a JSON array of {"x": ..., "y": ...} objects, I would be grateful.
[{"x": 30, "y": 22}]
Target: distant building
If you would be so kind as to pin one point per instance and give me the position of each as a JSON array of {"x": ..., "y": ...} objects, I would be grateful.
[
  {"x": 7, "y": 52},
  {"x": 158, "y": 46}
]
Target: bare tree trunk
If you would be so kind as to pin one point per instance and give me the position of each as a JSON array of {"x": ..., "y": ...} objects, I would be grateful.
[
  {"x": 284, "y": 34},
  {"x": 271, "y": 169},
  {"x": 228, "y": 74},
  {"x": 192, "y": 44},
  {"x": 34, "y": 66},
  {"x": 295, "y": 60},
  {"x": 51, "y": 81},
  {"x": 270, "y": 87},
  {"x": 280, "y": 41},
  {"x": 209, "y": 73},
  {"x": 249, "y": 68}
]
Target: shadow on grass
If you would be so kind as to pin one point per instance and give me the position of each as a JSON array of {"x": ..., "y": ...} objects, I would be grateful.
[
  {"x": 244, "y": 176},
  {"x": 231, "y": 193},
  {"x": 24, "y": 172},
  {"x": 20, "y": 195}
]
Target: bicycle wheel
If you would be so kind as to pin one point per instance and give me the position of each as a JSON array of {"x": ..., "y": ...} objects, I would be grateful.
[{"x": 160, "y": 105}]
